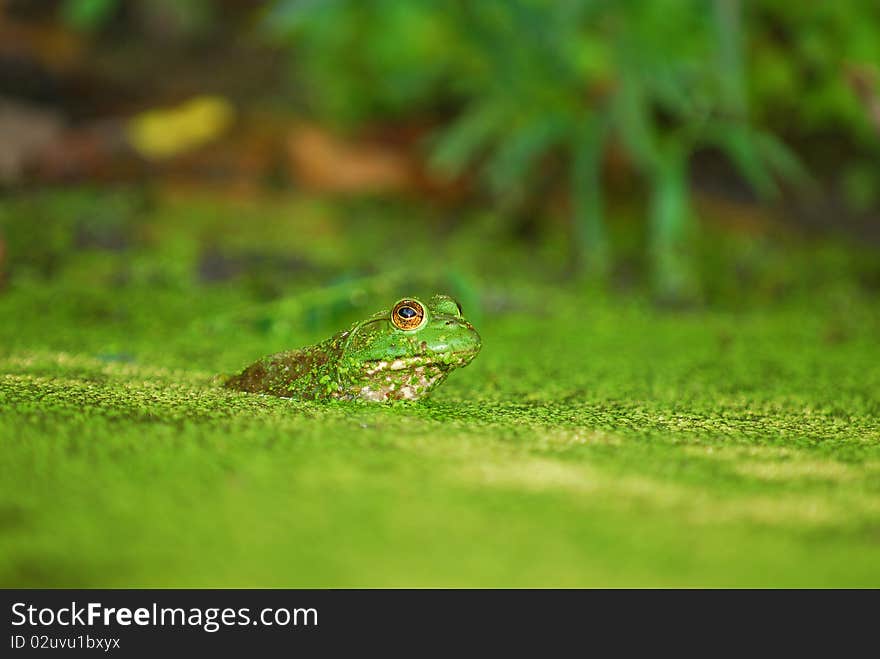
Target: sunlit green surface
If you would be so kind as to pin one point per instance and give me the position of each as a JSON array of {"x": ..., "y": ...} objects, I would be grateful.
[{"x": 594, "y": 442}]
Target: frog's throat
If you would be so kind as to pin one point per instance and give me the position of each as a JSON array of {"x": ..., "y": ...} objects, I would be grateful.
[{"x": 407, "y": 378}]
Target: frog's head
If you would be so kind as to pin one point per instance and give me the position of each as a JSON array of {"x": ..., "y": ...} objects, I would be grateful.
[{"x": 404, "y": 352}]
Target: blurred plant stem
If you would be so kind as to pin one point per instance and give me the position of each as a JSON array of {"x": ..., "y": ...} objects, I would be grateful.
[
  {"x": 728, "y": 27},
  {"x": 670, "y": 229},
  {"x": 670, "y": 216},
  {"x": 591, "y": 241}
]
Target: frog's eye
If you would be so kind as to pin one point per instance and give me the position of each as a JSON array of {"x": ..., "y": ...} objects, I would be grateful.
[
  {"x": 408, "y": 315},
  {"x": 443, "y": 304}
]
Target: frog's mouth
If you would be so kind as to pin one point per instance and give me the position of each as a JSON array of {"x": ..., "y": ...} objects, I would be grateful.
[{"x": 444, "y": 362}]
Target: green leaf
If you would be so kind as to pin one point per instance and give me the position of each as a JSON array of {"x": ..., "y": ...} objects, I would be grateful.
[
  {"x": 510, "y": 164},
  {"x": 459, "y": 144},
  {"x": 87, "y": 15},
  {"x": 738, "y": 143},
  {"x": 631, "y": 114},
  {"x": 782, "y": 160}
]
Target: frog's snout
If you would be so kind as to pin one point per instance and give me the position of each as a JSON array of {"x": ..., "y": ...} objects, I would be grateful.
[
  {"x": 474, "y": 342},
  {"x": 462, "y": 342}
]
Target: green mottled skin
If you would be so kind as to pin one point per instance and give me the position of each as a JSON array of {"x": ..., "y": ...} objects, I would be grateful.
[{"x": 372, "y": 361}]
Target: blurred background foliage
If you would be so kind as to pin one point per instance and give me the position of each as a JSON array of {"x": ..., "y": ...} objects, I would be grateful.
[
  {"x": 621, "y": 133},
  {"x": 582, "y": 82}
]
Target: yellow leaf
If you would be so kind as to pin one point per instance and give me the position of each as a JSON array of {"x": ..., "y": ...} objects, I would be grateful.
[{"x": 164, "y": 133}]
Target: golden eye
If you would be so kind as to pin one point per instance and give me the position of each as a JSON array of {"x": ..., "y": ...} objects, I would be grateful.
[{"x": 408, "y": 315}]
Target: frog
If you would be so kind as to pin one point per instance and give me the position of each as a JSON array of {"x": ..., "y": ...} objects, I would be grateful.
[{"x": 401, "y": 353}]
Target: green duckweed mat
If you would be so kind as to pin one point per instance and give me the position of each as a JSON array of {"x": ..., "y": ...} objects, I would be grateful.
[{"x": 595, "y": 441}]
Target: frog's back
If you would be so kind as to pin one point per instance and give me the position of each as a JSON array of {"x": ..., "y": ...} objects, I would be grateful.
[{"x": 302, "y": 373}]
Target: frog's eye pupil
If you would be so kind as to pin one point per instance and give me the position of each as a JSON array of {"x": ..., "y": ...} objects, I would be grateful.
[{"x": 407, "y": 312}]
